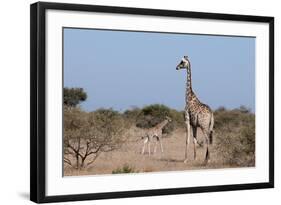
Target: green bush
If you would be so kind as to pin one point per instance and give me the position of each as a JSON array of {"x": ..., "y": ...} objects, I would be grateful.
[
  {"x": 235, "y": 117},
  {"x": 152, "y": 115},
  {"x": 125, "y": 169},
  {"x": 73, "y": 96},
  {"x": 131, "y": 115},
  {"x": 235, "y": 136},
  {"x": 177, "y": 117},
  {"x": 243, "y": 109}
]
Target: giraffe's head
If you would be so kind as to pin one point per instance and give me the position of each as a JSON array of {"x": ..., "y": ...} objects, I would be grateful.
[
  {"x": 184, "y": 63},
  {"x": 168, "y": 118}
]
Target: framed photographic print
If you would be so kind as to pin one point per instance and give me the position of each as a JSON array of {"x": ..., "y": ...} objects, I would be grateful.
[{"x": 129, "y": 102}]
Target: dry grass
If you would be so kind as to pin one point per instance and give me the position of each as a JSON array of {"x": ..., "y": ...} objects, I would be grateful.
[
  {"x": 171, "y": 160},
  {"x": 233, "y": 144}
]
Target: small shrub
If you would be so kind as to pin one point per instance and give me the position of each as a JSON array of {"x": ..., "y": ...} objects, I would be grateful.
[
  {"x": 125, "y": 169},
  {"x": 221, "y": 109},
  {"x": 177, "y": 117},
  {"x": 243, "y": 109},
  {"x": 224, "y": 117},
  {"x": 131, "y": 115},
  {"x": 235, "y": 137}
]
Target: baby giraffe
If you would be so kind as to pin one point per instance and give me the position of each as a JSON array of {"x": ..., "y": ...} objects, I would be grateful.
[{"x": 155, "y": 132}]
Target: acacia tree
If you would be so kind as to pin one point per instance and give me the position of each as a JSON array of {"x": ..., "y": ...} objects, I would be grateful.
[
  {"x": 73, "y": 96},
  {"x": 87, "y": 135}
]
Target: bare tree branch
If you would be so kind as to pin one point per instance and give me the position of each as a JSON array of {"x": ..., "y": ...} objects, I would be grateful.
[
  {"x": 67, "y": 161},
  {"x": 87, "y": 135}
]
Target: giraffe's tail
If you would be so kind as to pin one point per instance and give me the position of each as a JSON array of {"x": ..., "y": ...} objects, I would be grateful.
[{"x": 211, "y": 128}]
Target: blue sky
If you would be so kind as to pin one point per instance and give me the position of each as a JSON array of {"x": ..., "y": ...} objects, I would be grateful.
[{"x": 122, "y": 69}]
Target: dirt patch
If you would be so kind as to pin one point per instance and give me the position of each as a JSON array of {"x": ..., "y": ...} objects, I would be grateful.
[{"x": 170, "y": 160}]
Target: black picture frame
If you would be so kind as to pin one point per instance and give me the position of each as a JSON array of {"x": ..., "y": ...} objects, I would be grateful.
[{"x": 38, "y": 101}]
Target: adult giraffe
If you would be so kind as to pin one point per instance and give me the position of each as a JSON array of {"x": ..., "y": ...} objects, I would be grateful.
[{"x": 197, "y": 114}]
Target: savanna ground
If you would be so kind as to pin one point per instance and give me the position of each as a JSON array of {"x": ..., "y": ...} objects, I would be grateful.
[
  {"x": 129, "y": 157},
  {"x": 108, "y": 142}
]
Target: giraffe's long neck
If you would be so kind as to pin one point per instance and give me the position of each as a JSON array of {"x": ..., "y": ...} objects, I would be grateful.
[
  {"x": 162, "y": 124},
  {"x": 189, "y": 91}
]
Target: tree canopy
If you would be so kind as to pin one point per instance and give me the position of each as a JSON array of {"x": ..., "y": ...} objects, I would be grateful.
[{"x": 73, "y": 96}]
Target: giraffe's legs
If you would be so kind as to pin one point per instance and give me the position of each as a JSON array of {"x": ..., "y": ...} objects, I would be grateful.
[
  {"x": 144, "y": 143},
  {"x": 187, "y": 139},
  {"x": 200, "y": 144},
  {"x": 160, "y": 141},
  {"x": 148, "y": 147},
  {"x": 155, "y": 147},
  {"x": 194, "y": 129},
  {"x": 207, "y": 155}
]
